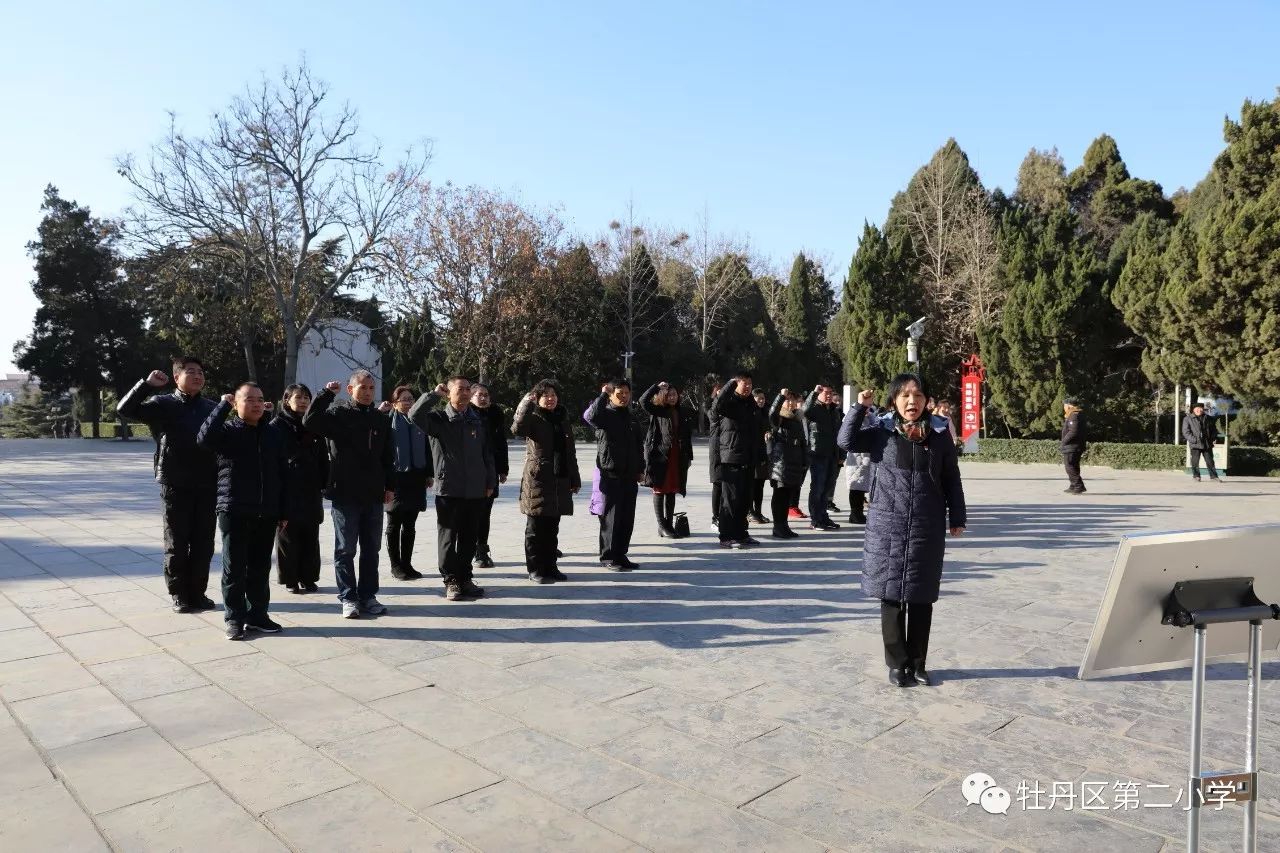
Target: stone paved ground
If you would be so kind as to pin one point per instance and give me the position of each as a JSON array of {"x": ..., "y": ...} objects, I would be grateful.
[{"x": 711, "y": 701}]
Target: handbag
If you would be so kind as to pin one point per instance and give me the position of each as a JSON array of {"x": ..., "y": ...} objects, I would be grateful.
[{"x": 680, "y": 523}]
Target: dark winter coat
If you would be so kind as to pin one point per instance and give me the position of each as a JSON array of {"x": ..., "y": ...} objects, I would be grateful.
[
  {"x": 460, "y": 448},
  {"x": 822, "y": 422},
  {"x": 175, "y": 420},
  {"x": 659, "y": 437},
  {"x": 914, "y": 489},
  {"x": 496, "y": 421},
  {"x": 619, "y": 440},
  {"x": 408, "y": 487},
  {"x": 308, "y": 469},
  {"x": 253, "y": 463},
  {"x": 547, "y": 484},
  {"x": 1075, "y": 433},
  {"x": 764, "y": 468},
  {"x": 788, "y": 448},
  {"x": 739, "y": 426},
  {"x": 359, "y": 448},
  {"x": 1200, "y": 432},
  {"x": 713, "y": 444}
]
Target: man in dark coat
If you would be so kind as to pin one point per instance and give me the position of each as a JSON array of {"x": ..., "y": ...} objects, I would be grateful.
[
  {"x": 253, "y": 465},
  {"x": 360, "y": 455},
  {"x": 620, "y": 458},
  {"x": 1075, "y": 440},
  {"x": 822, "y": 421},
  {"x": 739, "y": 432},
  {"x": 187, "y": 475},
  {"x": 496, "y": 422},
  {"x": 1200, "y": 432},
  {"x": 466, "y": 478}
]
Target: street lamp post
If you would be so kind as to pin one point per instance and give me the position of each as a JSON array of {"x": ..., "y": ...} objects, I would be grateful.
[
  {"x": 626, "y": 364},
  {"x": 914, "y": 333}
]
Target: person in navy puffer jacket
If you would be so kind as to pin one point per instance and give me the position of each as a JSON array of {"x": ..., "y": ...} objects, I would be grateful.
[
  {"x": 253, "y": 463},
  {"x": 915, "y": 487}
]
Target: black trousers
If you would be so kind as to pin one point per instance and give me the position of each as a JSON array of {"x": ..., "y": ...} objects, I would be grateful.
[
  {"x": 783, "y": 497},
  {"x": 1196, "y": 453},
  {"x": 189, "y": 521},
  {"x": 757, "y": 496},
  {"x": 735, "y": 498},
  {"x": 246, "y": 566},
  {"x": 618, "y": 519},
  {"x": 664, "y": 507},
  {"x": 298, "y": 553},
  {"x": 457, "y": 522},
  {"x": 482, "y": 527},
  {"x": 905, "y": 629},
  {"x": 401, "y": 533},
  {"x": 715, "y": 502},
  {"x": 1071, "y": 461},
  {"x": 541, "y": 540}
]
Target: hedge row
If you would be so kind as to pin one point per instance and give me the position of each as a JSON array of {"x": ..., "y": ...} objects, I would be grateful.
[
  {"x": 1245, "y": 461},
  {"x": 108, "y": 430}
]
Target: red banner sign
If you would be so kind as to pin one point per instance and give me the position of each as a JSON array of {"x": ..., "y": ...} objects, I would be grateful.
[{"x": 972, "y": 373}]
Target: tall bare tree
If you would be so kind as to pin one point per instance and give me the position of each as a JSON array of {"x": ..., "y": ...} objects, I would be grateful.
[
  {"x": 715, "y": 288},
  {"x": 278, "y": 174}
]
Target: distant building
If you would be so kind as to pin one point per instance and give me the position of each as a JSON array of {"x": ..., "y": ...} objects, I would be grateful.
[{"x": 12, "y": 385}]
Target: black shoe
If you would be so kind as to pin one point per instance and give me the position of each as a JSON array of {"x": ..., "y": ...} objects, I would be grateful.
[
  {"x": 785, "y": 533},
  {"x": 312, "y": 587},
  {"x": 483, "y": 562},
  {"x": 265, "y": 625},
  {"x": 757, "y": 518},
  {"x": 666, "y": 531},
  {"x": 559, "y": 553},
  {"x": 922, "y": 677},
  {"x": 715, "y": 522},
  {"x": 558, "y": 575},
  {"x": 614, "y": 566},
  {"x": 627, "y": 564},
  {"x": 824, "y": 525},
  {"x": 735, "y": 544},
  {"x": 751, "y": 542},
  {"x": 235, "y": 631},
  {"x": 204, "y": 602},
  {"x": 900, "y": 676},
  {"x": 539, "y": 578},
  {"x": 469, "y": 587},
  {"x": 180, "y": 606},
  {"x": 407, "y": 575},
  {"x": 831, "y": 507},
  {"x": 1074, "y": 491},
  {"x": 857, "y": 518},
  {"x": 298, "y": 588}
]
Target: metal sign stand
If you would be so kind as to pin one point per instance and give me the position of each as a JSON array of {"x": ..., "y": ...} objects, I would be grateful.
[{"x": 1199, "y": 604}]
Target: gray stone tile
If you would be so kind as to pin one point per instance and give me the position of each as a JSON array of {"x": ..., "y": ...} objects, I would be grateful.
[
  {"x": 704, "y": 682},
  {"x": 508, "y": 818},
  {"x": 1123, "y": 757},
  {"x": 711, "y": 721},
  {"x": 361, "y": 677},
  {"x": 22, "y": 643},
  {"x": 75, "y": 620},
  {"x": 190, "y": 819},
  {"x": 122, "y": 769},
  {"x": 46, "y": 818},
  {"x": 575, "y": 720},
  {"x": 32, "y": 677},
  {"x": 977, "y": 719},
  {"x": 324, "y": 823},
  {"x": 955, "y": 752},
  {"x": 269, "y": 769},
  {"x": 299, "y": 646},
  {"x": 55, "y": 598},
  {"x": 571, "y": 776},
  {"x": 465, "y": 677},
  {"x": 318, "y": 715},
  {"x": 200, "y": 716},
  {"x": 398, "y": 646},
  {"x": 21, "y": 767},
  {"x": 447, "y": 719},
  {"x": 664, "y": 817},
  {"x": 108, "y": 645},
  {"x": 830, "y": 815},
  {"x": 253, "y": 676},
  {"x": 578, "y": 678},
  {"x": 393, "y": 759},
  {"x": 11, "y": 617},
  {"x": 147, "y": 676},
  {"x": 74, "y": 716},
  {"x": 838, "y": 719}
]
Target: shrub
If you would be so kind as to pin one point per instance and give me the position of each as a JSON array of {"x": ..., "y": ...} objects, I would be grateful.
[
  {"x": 1245, "y": 461},
  {"x": 110, "y": 430}
]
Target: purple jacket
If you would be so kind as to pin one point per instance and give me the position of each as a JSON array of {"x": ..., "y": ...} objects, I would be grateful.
[{"x": 597, "y": 496}]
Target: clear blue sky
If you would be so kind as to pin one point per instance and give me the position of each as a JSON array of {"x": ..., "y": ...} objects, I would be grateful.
[{"x": 792, "y": 123}]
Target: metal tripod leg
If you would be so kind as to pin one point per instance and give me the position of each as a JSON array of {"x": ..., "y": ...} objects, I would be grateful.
[
  {"x": 1197, "y": 710},
  {"x": 1251, "y": 736}
]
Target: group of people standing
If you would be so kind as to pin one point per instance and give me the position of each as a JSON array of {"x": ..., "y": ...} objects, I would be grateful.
[{"x": 260, "y": 478}]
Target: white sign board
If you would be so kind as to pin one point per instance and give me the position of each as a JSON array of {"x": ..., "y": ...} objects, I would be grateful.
[{"x": 333, "y": 351}]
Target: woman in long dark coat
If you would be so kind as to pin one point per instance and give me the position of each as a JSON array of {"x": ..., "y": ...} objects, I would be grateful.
[
  {"x": 668, "y": 452},
  {"x": 788, "y": 459},
  {"x": 915, "y": 487},
  {"x": 413, "y": 474},
  {"x": 550, "y": 478},
  {"x": 298, "y": 544}
]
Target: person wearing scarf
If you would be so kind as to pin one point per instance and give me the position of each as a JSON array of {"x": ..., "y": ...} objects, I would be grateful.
[
  {"x": 916, "y": 497},
  {"x": 411, "y": 477},
  {"x": 298, "y": 545},
  {"x": 550, "y": 478}
]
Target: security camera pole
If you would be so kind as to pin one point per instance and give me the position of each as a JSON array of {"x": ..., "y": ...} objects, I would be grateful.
[
  {"x": 626, "y": 364},
  {"x": 914, "y": 333}
]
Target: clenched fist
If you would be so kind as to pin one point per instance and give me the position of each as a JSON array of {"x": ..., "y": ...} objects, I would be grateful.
[
  {"x": 158, "y": 378},
  {"x": 384, "y": 406},
  {"x": 866, "y": 398},
  {"x": 442, "y": 390},
  {"x": 228, "y": 398},
  {"x": 268, "y": 406},
  {"x": 332, "y": 386}
]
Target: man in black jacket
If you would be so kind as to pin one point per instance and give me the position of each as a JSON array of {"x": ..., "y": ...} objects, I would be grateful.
[
  {"x": 620, "y": 458},
  {"x": 466, "y": 478},
  {"x": 822, "y": 422},
  {"x": 739, "y": 445},
  {"x": 1201, "y": 434},
  {"x": 360, "y": 467},
  {"x": 253, "y": 464},
  {"x": 187, "y": 476},
  {"x": 1075, "y": 438},
  {"x": 495, "y": 420}
]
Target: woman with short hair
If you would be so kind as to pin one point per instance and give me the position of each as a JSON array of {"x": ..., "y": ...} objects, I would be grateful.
[
  {"x": 412, "y": 475},
  {"x": 668, "y": 452},
  {"x": 550, "y": 478},
  {"x": 307, "y": 474}
]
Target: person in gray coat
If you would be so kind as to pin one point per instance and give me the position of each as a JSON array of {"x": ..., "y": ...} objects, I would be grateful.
[
  {"x": 465, "y": 476},
  {"x": 1201, "y": 433},
  {"x": 915, "y": 487}
]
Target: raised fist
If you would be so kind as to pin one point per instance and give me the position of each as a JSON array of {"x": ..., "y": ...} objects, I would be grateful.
[
  {"x": 332, "y": 386},
  {"x": 663, "y": 385},
  {"x": 817, "y": 389},
  {"x": 228, "y": 398},
  {"x": 785, "y": 392},
  {"x": 531, "y": 397},
  {"x": 158, "y": 378},
  {"x": 268, "y": 406},
  {"x": 442, "y": 390},
  {"x": 606, "y": 389},
  {"x": 384, "y": 406},
  {"x": 866, "y": 398}
]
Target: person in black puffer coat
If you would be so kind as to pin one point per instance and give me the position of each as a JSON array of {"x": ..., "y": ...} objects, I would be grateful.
[
  {"x": 252, "y": 471},
  {"x": 298, "y": 544},
  {"x": 411, "y": 476},
  {"x": 739, "y": 434},
  {"x": 550, "y": 478},
  {"x": 788, "y": 458},
  {"x": 1201, "y": 434},
  {"x": 916, "y": 495},
  {"x": 761, "y": 475},
  {"x": 713, "y": 454},
  {"x": 620, "y": 458},
  {"x": 1075, "y": 441},
  {"x": 668, "y": 452},
  {"x": 496, "y": 422}
]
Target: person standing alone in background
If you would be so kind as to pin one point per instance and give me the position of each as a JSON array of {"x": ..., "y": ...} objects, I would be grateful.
[
  {"x": 1075, "y": 440},
  {"x": 1200, "y": 432}
]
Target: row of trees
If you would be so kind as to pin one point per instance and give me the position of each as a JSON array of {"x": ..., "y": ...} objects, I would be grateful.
[{"x": 1090, "y": 283}]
